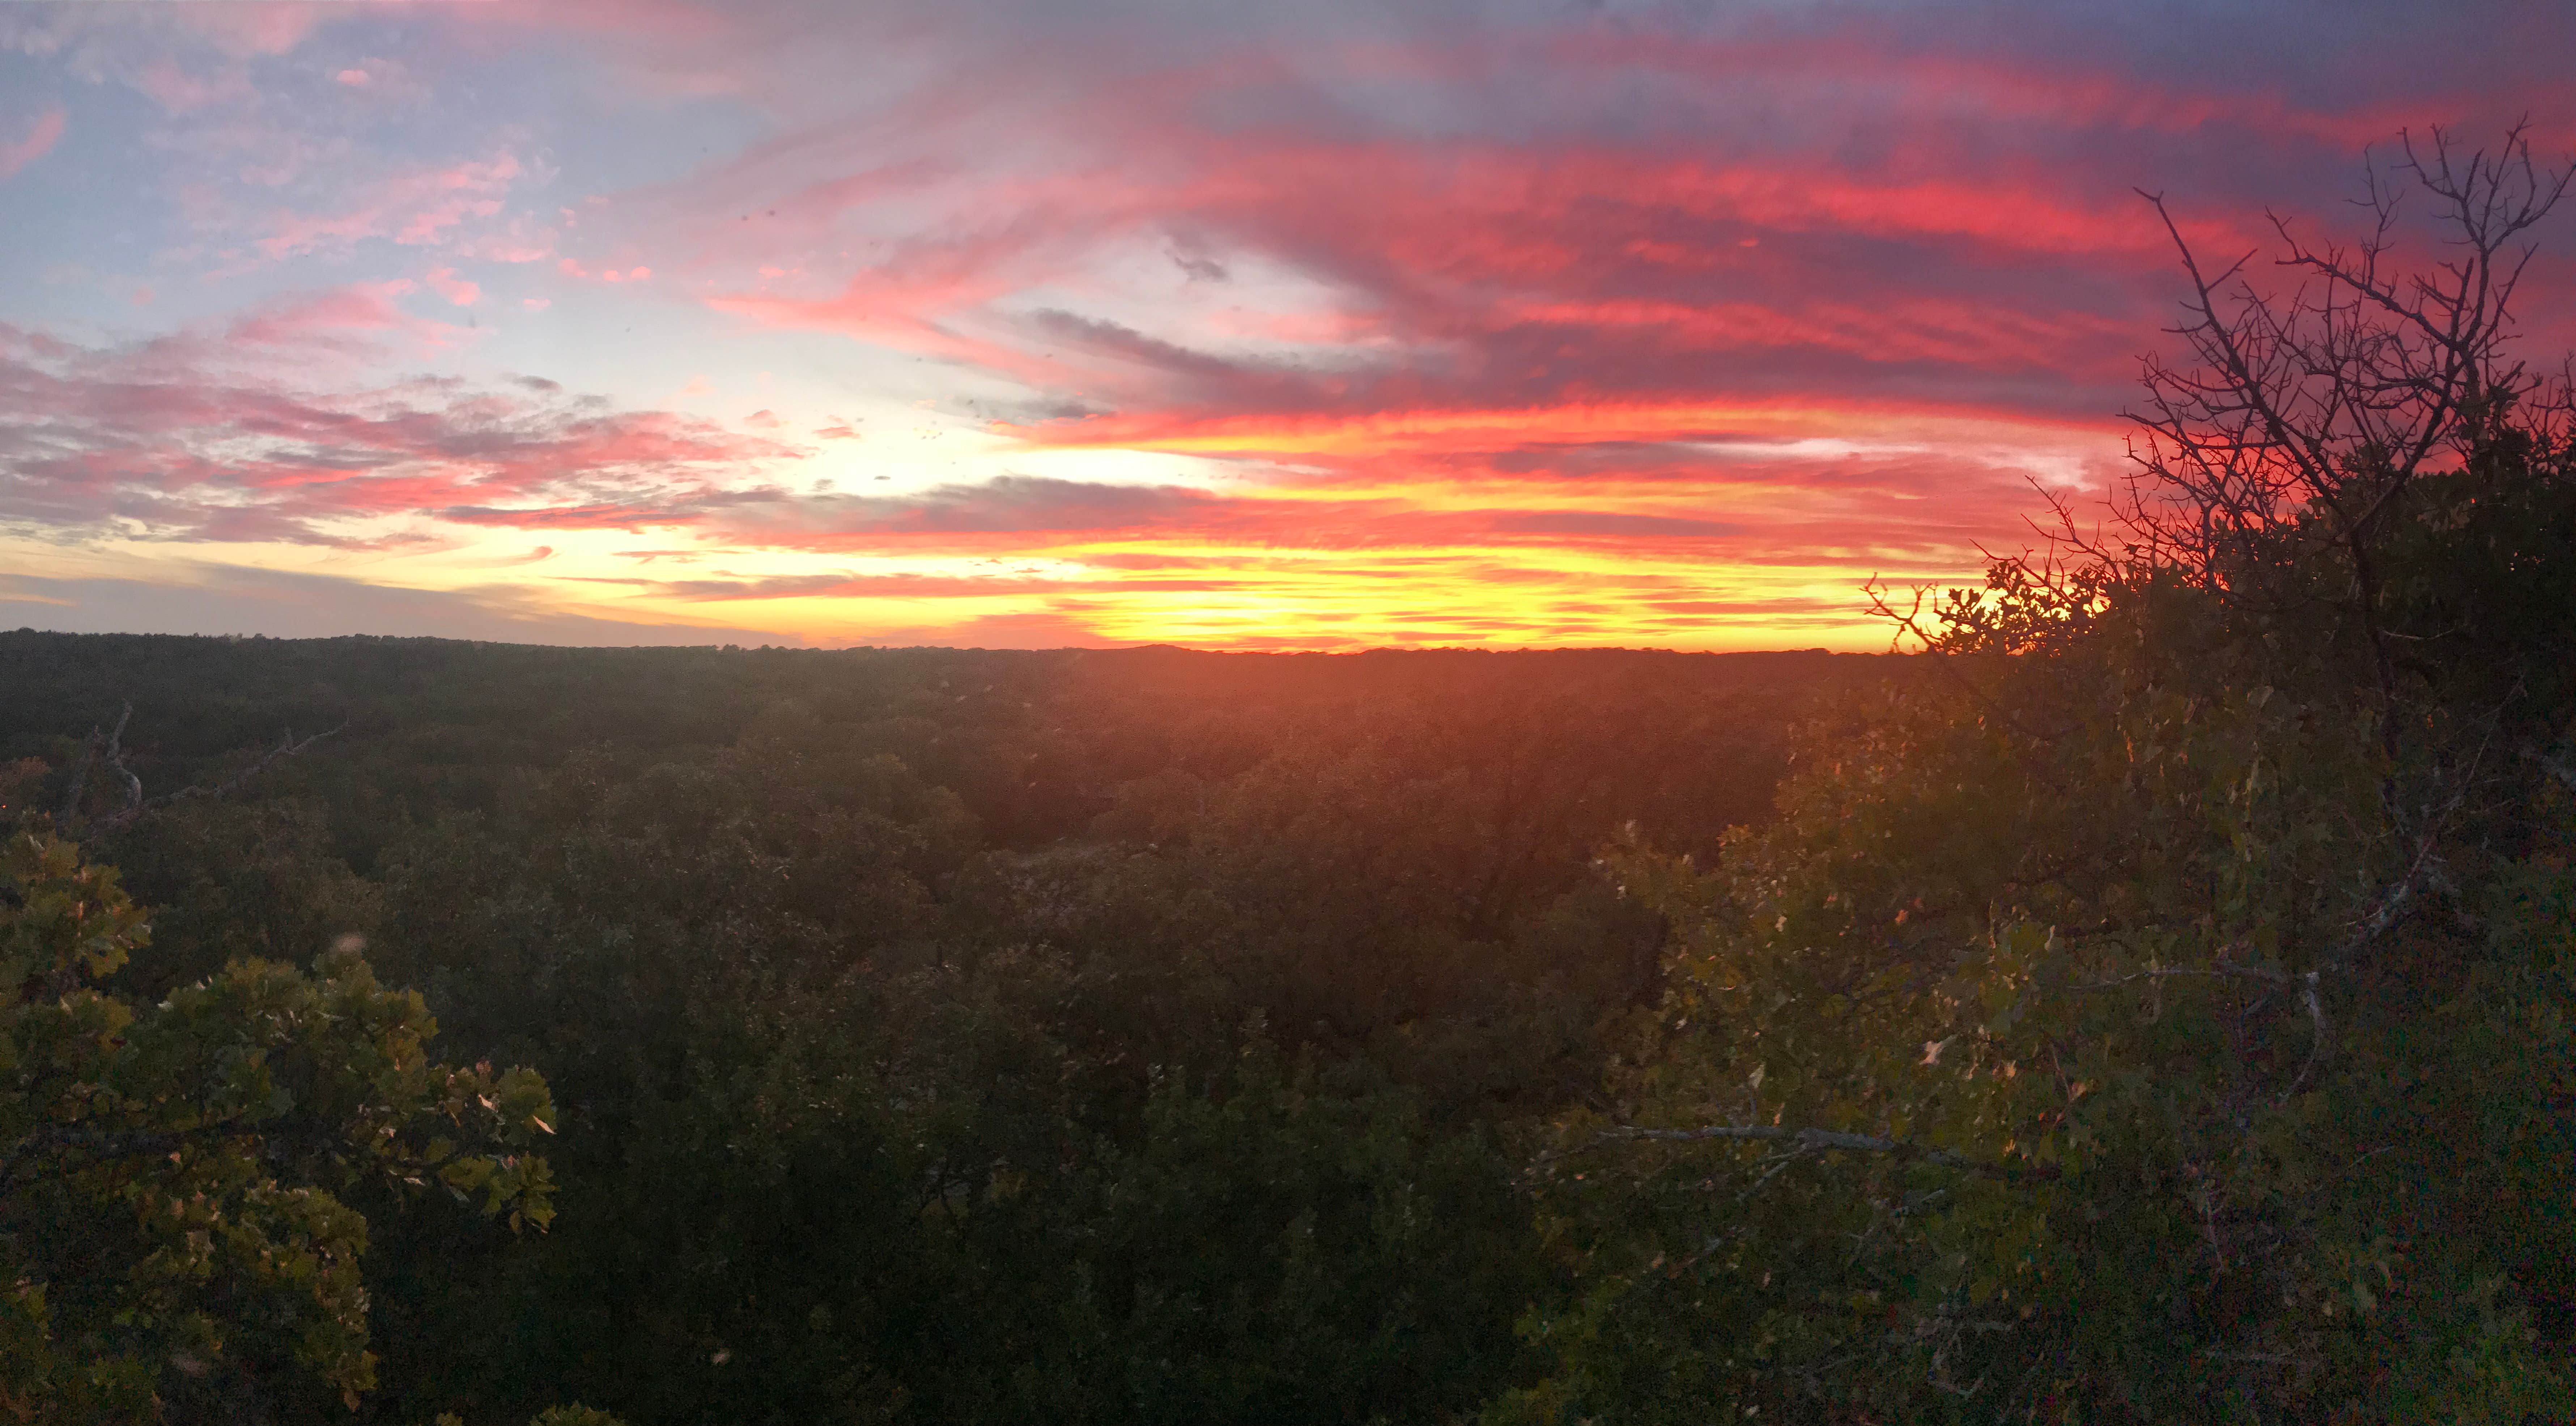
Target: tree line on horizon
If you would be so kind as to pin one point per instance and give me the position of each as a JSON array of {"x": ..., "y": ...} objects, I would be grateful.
[{"x": 2155, "y": 1000}]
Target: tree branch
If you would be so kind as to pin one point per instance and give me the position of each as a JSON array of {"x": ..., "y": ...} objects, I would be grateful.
[
  {"x": 1815, "y": 1140},
  {"x": 137, "y": 806}
]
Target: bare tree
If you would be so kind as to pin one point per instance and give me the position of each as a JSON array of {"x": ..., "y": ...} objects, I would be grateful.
[
  {"x": 2304, "y": 416},
  {"x": 108, "y": 749}
]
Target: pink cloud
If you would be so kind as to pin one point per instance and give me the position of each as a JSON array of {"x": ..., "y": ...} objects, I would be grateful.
[
  {"x": 40, "y": 140},
  {"x": 380, "y": 81},
  {"x": 179, "y": 92},
  {"x": 248, "y": 30},
  {"x": 323, "y": 330},
  {"x": 187, "y": 437},
  {"x": 2058, "y": 93},
  {"x": 572, "y": 267},
  {"x": 458, "y": 291},
  {"x": 521, "y": 239},
  {"x": 423, "y": 207},
  {"x": 296, "y": 321}
]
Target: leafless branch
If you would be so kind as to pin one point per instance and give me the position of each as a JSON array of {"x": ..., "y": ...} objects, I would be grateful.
[
  {"x": 2218, "y": 972},
  {"x": 2320, "y": 1042},
  {"x": 2305, "y": 414},
  {"x": 1821, "y": 1140},
  {"x": 116, "y": 760},
  {"x": 110, "y": 748}
]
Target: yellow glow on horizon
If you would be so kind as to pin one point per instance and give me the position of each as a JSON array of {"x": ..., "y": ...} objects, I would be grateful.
[
  {"x": 1236, "y": 596},
  {"x": 1396, "y": 534}
]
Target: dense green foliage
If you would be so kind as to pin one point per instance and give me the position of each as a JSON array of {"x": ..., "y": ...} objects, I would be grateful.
[
  {"x": 2199, "y": 1028},
  {"x": 946, "y": 1036},
  {"x": 169, "y": 1228}
]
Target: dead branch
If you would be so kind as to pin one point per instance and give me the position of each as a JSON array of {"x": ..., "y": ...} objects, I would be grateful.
[
  {"x": 110, "y": 749},
  {"x": 116, "y": 760},
  {"x": 1821, "y": 1140},
  {"x": 2261, "y": 973}
]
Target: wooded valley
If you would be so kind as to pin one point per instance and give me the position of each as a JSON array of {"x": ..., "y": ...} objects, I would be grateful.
[
  {"x": 2150, "y": 998},
  {"x": 935, "y": 1035}
]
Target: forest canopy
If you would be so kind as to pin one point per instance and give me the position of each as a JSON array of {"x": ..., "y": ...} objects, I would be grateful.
[
  {"x": 2148, "y": 999},
  {"x": 931, "y": 1035}
]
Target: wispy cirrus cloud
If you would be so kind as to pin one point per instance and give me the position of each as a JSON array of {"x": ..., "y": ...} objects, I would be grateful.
[{"x": 419, "y": 208}]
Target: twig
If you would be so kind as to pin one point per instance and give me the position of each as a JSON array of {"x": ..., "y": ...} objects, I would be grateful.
[
  {"x": 116, "y": 760},
  {"x": 2214, "y": 972},
  {"x": 2319, "y": 1046},
  {"x": 1817, "y": 1140}
]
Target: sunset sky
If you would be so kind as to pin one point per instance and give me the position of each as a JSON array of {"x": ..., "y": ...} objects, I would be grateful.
[{"x": 1028, "y": 324}]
